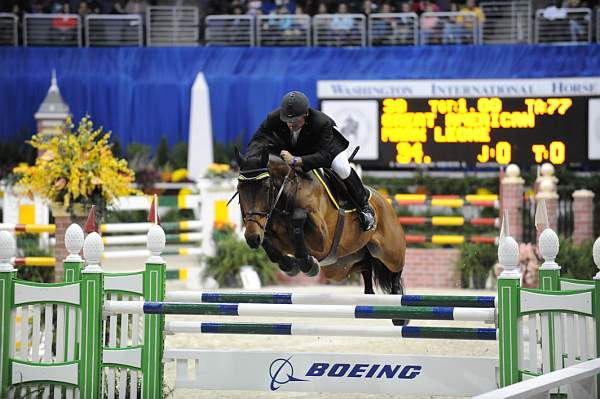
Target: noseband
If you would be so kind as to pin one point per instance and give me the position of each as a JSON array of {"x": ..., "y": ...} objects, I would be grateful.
[{"x": 260, "y": 174}]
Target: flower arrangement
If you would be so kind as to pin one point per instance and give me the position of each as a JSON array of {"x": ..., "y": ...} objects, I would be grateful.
[
  {"x": 219, "y": 170},
  {"x": 76, "y": 166}
]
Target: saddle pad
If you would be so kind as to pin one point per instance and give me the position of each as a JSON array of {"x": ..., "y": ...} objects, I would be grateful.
[{"x": 335, "y": 189}]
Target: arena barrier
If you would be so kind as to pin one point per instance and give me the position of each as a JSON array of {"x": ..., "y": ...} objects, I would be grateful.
[{"x": 539, "y": 331}]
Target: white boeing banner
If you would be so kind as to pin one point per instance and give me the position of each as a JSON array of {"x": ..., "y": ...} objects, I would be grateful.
[
  {"x": 332, "y": 372},
  {"x": 332, "y": 89}
]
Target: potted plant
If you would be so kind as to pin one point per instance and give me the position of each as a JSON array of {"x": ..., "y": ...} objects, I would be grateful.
[{"x": 74, "y": 170}]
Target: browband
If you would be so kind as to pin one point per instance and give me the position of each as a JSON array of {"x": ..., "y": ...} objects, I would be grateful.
[{"x": 259, "y": 176}]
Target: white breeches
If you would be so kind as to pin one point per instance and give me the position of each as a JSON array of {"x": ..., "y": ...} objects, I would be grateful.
[{"x": 340, "y": 165}]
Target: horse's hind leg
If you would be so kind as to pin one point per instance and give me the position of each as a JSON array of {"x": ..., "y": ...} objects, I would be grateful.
[
  {"x": 398, "y": 289},
  {"x": 367, "y": 274}
]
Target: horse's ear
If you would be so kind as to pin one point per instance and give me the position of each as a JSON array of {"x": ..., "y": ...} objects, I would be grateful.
[
  {"x": 264, "y": 159},
  {"x": 240, "y": 159}
]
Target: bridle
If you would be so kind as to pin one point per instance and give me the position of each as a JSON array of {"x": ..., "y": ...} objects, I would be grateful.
[{"x": 256, "y": 175}]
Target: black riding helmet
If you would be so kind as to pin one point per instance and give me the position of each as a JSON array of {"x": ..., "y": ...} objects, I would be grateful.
[{"x": 293, "y": 106}]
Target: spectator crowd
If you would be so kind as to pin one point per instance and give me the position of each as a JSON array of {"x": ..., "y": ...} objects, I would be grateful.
[{"x": 453, "y": 29}]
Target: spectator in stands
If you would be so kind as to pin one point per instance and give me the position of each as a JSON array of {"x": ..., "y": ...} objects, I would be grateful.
[
  {"x": 405, "y": 31},
  {"x": 388, "y": 30},
  {"x": 64, "y": 28},
  {"x": 136, "y": 7},
  {"x": 38, "y": 7},
  {"x": 368, "y": 7},
  {"x": 430, "y": 24},
  {"x": 467, "y": 25},
  {"x": 286, "y": 23},
  {"x": 254, "y": 7},
  {"x": 453, "y": 30},
  {"x": 119, "y": 7},
  {"x": 342, "y": 23},
  {"x": 575, "y": 27}
]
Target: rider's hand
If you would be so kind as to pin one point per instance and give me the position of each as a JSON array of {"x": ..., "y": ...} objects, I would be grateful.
[{"x": 287, "y": 157}]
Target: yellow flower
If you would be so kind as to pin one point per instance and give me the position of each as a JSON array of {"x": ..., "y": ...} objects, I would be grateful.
[
  {"x": 179, "y": 174},
  {"x": 74, "y": 165}
]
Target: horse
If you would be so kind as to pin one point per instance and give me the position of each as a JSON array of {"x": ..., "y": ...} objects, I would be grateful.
[{"x": 289, "y": 211}]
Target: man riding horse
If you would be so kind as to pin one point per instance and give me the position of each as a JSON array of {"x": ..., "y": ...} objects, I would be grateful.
[
  {"x": 310, "y": 140},
  {"x": 290, "y": 210}
]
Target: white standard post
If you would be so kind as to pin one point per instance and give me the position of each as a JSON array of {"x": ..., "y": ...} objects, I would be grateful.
[{"x": 92, "y": 252}]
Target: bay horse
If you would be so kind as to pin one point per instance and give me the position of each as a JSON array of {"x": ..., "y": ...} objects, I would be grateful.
[{"x": 288, "y": 211}]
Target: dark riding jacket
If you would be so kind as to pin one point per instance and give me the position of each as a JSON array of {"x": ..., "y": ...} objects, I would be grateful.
[{"x": 318, "y": 143}]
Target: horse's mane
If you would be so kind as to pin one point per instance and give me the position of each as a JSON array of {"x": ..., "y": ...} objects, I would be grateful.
[{"x": 277, "y": 166}]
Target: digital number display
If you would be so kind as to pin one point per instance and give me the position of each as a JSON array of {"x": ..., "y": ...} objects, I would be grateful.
[{"x": 480, "y": 131}]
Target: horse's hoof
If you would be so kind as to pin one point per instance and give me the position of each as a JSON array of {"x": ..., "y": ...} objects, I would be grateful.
[
  {"x": 400, "y": 322},
  {"x": 289, "y": 266},
  {"x": 311, "y": 266}
]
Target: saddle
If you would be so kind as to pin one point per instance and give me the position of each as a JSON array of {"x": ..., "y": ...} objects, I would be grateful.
[{"x": 335, "y": 188}]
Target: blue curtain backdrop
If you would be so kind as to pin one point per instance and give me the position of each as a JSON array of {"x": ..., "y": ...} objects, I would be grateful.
[{"x": 143, "y": 93}]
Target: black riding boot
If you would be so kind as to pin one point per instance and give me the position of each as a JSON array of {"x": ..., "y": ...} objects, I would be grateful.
[{"x": 360, "y": 198}]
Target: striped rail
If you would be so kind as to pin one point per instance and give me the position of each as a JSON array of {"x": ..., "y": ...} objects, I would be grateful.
[
  {"x": 183, "y": 225},
  {"x": 284, "y": 310},
  {"x": 449, "y": 239},
  {"x": 317, "y": 299},
  {"x": 451, "y": 201},
  {"x": 447, "y": 221},
  {"x": 478, "y": 334},
  {"x": 125, "y": 254}
]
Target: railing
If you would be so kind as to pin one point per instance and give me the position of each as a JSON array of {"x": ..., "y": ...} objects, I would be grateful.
[
  {"x": 579, "y": 378},
  {"x": 52, "y": 30},
  {"x": 114, "y": 30},
  {"x": 172, "y": 26},
  {"x": 506, "y": 22},
  {"x": 283, "y": 30},
  {"x": 448, "y": 28},
  {"x": 9, "y": 35},
  {"x": 499, "y": 22},
  {"x": 563, "y": 25},
  {"x": 339, "y": 30},
  {"x": 229, "y": 30},
  {"x": 393, "y": 29}
]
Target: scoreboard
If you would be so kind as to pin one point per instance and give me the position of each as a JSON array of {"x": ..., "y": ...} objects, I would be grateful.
[{"x": 398, "y": 131}]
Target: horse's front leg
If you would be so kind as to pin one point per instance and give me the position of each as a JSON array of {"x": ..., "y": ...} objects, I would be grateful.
[
  {"x": 307, "y": 263},
  {"x": 286, "y": 263}
]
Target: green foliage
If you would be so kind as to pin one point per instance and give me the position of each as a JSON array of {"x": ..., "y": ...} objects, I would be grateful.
[
  {"x": 28, "y": 245},
  {"x": 576, "y": 260},
  {"x": 138, "y": 150},
  {"x": 15, "y": 151},
  {"x": 162, "y": 152},
  {"x": 179, "y": 155},
  {"x": 232, "y": 254},
  {"x": 225, "y": 152},
  {"x": 115, "y": 216},
  {"x": 176, "y": 215},
  {"x": 475, "y": 262},
  {"x": 116, "y": 146}
]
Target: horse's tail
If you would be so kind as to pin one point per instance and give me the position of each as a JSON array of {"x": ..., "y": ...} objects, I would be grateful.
[{"x": 387, "y": 281}]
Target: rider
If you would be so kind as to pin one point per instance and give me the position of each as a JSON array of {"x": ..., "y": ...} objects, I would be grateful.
[{"x": 313, "y": 138}]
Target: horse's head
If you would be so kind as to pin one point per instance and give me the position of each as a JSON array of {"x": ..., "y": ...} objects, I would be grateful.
[{"x": 257, "y": 196}]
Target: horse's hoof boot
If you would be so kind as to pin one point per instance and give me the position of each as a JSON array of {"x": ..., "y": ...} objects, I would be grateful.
[
  {"x": 314, "y": 269},
  {"x": 289, "y": 266}
]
